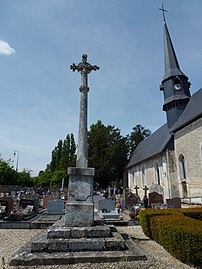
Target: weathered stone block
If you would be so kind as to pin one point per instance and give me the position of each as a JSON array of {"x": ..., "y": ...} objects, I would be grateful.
[
  {"x": 114, "y": 244},
  {"x": 38, "y": 246},
  {"x": 60, "y": 245},
  {"x": 40, "y": 243},
  {"x": 98, "y": 231},
  {"x": 86, "y": 244},
  {"x": 62, "y": 232},
  {"x": 79, "y": 214},
  {"x": 80, "y": 185},
  {"x": 81, "y": 171},
  {"x": 78, "y": 232}
]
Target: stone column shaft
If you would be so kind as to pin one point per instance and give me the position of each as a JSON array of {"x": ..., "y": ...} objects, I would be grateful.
[{"x": 82, "y": 151}]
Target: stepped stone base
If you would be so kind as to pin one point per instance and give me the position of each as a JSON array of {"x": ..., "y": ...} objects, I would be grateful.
[{"x": 67, "y": 245}]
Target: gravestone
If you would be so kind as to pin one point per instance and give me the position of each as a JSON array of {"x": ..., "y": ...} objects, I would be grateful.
[
  {"x": 24, "y": 202},
  {"x": 107, "y": 210},
  {"x": 106, "y": 205},
  {"x": 3, "y": 208},
  {"x": 46, "y": 200},
  {"x": 56, "y": 207},
  {"x": 173, "y": 202},
  {"x": 96, "y": 199},
  {"x": 10, "y": 202},
  {"x": 131, "y": 200},
  {"x": 155, "y": 198},
  {"x": 156, "y": 188}
]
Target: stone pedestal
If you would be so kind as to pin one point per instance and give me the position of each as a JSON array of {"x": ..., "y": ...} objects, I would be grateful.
[{"x": 80, "y": 208}]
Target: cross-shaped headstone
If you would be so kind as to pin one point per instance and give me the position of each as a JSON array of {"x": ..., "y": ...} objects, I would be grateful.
[
  {"x": 136, "y": 190},
  {"x": 163, "y": 11},
  {"x": 145, "y": 191}
]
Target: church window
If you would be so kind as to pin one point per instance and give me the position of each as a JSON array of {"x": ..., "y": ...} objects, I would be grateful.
[
  {"x": 157, "y": 174},
  {"x": 130, "y": 179},
  {"x": 134, "y": 179},
  {"x": 201, "y": 151},
  {"x": 182, "y": 170},
  {"x": 143, "y": 176}
]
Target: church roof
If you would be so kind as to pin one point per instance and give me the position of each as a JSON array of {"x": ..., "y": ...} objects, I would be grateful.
[
  {"x": 152, "y": 145},
  {"x": 172, "y": 67},
  {"x": 192, "y": 111}
]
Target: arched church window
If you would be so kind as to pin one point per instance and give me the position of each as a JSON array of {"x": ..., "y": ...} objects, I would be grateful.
[
  {"x": 201, "y": 151},
  {"x": 143, "y": 176},
  {"x": 134, "y": 179},
  {"x": 157, "y": 174},
  {"x": 182, "y": 170}
]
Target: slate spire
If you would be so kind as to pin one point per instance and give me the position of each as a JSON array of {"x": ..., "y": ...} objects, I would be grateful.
[
  {"x": 172, "y": 67},
  {"x": 175, "y": 84}
]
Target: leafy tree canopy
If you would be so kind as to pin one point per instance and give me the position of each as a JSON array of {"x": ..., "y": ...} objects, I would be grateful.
[
  {"x": 63, "y": 156},
  {"x": 138, "y": 134},
  {"x": 9, "y": 176},
  {"x": 108, "y": 152}
]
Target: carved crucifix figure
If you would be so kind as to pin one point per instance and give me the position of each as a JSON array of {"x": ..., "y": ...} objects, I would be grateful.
[
  {"x": 145, "y": 191},
  {"x": 82, "y": 151}
]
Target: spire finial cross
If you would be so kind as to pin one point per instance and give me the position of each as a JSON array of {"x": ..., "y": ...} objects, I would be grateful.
[{"x": 163, "y": 11}]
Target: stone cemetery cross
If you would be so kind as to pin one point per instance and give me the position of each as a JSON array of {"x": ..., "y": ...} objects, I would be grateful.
[
  {"x": 79, "y": 208},
  {"x": 145, "y": 191},
  {"x": 136, "y": 190},
  {"x": 82, "y": 152}
]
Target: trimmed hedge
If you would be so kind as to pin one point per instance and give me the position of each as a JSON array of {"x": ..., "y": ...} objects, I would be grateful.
[
  {"x": 144, "y": 215},
  {"x": 178, "y": 234},
  {"x": 194, "y": 215}
]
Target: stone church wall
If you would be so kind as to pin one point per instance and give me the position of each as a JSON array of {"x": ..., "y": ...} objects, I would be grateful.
[
  {"x": 145, "y": 174},
  {"x": 188, "y": 143}
]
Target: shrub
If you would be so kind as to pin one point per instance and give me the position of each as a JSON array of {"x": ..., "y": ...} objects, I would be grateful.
[
  {"x": 179, "y": 235},
  {"x": 176, "y": 231}
]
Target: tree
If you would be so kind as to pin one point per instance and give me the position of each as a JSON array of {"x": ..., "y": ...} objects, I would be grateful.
[
  {"x": 7, "y": 173},
  {"x": 108, "y": 152},
  {"x": 138, "y": 134},
  {"x": 9, "y": 176},
  {"x": 24, "y": 178},
  {"x": 62, "y": 157}
]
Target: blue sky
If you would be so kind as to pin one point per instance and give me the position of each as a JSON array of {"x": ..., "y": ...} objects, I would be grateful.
[{"x": 40, "y": 39}]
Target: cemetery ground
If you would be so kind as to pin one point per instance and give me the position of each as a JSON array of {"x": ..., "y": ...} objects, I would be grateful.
[{"x": 157, "y": 256}]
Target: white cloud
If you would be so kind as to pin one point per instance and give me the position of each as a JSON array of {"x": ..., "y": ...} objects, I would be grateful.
[{"x": 5, "y": 48}]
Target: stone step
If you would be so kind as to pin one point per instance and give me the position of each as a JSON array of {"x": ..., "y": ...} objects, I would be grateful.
[
  {"x": 42, "y": 244},
  {"x": 24, "y": 256},
  {"x": 79, "y": 232}
]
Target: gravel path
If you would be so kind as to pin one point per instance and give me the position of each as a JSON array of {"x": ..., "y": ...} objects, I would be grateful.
[{"x": 157, "y": 256}]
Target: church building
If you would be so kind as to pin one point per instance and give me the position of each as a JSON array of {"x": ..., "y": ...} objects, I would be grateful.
[{"x": 169, "y": 161}]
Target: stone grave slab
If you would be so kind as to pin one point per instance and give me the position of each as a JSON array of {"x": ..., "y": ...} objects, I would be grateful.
[
  {"x": 174, "y": 202},
  {"x": 156, "y": 188},
  {"x": 106, "y": 205},
  {"x": 131, "y": 200},
  {"x": 96, "y": 199},
  {"x": 45, "y": 201},
  {"x": 56, "y": 207},
  {"x": 155, "y": 198},
  {"x": 10, "y": 201}
]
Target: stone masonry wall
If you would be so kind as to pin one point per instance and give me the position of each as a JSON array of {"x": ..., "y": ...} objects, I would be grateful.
[
  {"x": 135, "y": 175},
  {"x": 188, "y": 142}
]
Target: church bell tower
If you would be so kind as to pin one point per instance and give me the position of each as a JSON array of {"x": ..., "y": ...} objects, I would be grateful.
[{"x": 175, "y": 84}]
